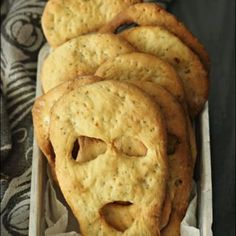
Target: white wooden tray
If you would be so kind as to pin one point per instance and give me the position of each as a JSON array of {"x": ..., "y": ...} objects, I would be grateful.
[{"x": 203, "y": 173}]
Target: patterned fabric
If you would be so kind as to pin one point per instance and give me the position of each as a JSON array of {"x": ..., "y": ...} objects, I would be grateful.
[
  {"x": 21, "y": 40},
  {"x": 6, "y": 135}
]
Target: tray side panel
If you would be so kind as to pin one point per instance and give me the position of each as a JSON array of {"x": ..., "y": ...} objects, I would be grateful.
[
  {"x": 205, "y": 217},
  {"x": 38, "y": 180}
]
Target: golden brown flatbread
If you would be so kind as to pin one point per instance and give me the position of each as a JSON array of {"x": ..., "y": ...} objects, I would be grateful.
[
  {"x": 143, "y": 67},
  {"x": 64, "y": 20},
  {"x": 161, "y": 43},
  {"x": 111, "y": 111},
  {"x": 80, "y": 56}
]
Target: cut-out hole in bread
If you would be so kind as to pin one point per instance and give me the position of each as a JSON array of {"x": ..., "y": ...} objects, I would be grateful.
[
  {"x": 51, "y": 151},
  {"x": 173, "y": 142},
  {"x": 87, "y": 149},
  {"x": 124, "y": 27},
  {"x": 130, "y": 146},
  {"x": 178, "y": 182},
  {"x": 124, "y": 212},
  {"x": 75, "y": 150}
]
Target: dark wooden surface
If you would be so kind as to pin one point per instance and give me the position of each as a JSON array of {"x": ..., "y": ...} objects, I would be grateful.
[{"x": 213, "y": 21}]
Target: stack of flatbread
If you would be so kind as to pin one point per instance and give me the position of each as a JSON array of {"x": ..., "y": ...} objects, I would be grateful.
[{"x": 115, "y": 120}]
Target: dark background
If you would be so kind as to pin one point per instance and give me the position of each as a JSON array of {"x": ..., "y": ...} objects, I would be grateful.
[{"x": 213, "y": 21}]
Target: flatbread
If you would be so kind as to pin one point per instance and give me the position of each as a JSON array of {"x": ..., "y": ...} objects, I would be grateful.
[
  {"x": 179, "y": 157},
  {"x": 41, "y": 113},
  {"x": 143, "y": 67},
  {"x": 161, "y": 43},
  {"x": 80, "y": 56},
  {"x": 151, "y": 14},
  {"x": 115, "y": 175},
  {"x": 64, "y": 20}
]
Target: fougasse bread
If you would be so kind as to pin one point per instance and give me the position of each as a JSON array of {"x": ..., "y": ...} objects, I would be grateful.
[
  {"x": 151, "y": 14},
  {"x": 180, "y": 163},
  {"x": 80, "y": 56},
  {"x": 64, "y": 20},
  {"x": 111, "y": 111},
  {"x": 41, "y": 113},
  {"x": 165, "y": 45}
]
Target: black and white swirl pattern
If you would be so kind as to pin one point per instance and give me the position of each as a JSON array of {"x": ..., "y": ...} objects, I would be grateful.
[
  {"x": 22, "y": 26},
  {"x": 15, "y": 206},
  {"x": 21, "y": 40},
  {"x": 20, "y": 92}
]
